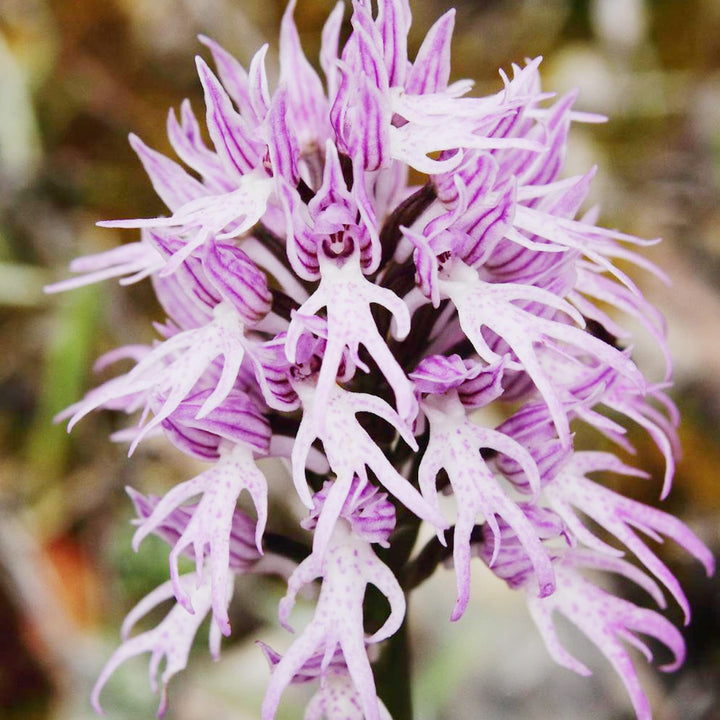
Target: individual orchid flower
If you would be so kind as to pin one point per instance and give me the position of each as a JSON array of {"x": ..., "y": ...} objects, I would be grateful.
[
  {"x": 455, "y": 443},
  {"x": 347, "y": 295},
  {"x": 209, "y": 531},
  {"x": 484, "y": 305},
  {"x": 571, "y": 490},
  {"x": 350, "y": 450},
  {"x": 337, "y": 698},
  {"x": 174, "y": 367},
  {"x": 607, "y": 621},
  {"x": 196, "y": 211},
  {"x": 346, "y": 568},
  {"x": 171, "y": 640}
]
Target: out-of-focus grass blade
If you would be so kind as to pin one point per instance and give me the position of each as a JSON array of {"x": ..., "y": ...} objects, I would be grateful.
[
  {"x": 66, "y": 364},
  {"x": 21, "y": 285}
]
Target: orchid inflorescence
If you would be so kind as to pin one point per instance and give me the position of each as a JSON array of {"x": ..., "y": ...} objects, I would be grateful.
[{"x": 364, "y": 275}]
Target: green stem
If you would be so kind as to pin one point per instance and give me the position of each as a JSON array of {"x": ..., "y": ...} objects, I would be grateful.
[
  {"x": 392, "y": 674},
  {"x": 393, "y": 669}
]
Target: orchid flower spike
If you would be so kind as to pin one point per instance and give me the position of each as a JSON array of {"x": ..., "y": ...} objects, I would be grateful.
[{"x": 392, "y": 288}]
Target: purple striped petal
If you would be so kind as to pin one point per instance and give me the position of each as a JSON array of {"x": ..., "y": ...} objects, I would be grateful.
[
  {"x": 234, "y": 144},
  {"x": 174, "y": 186},
  {"x": 238, "y": 280},
  {"x": 366, "y": 508},
  {"x": 430, "y": 72},
  {"x": 393, "y": 20},
  {"x": 187, "y": 141},
  {"x": 307, "y": 104},
  {"x": 283, "y": 146},
  {"x": 238, "y": 420},
  {"x": 234, "y": 78}
]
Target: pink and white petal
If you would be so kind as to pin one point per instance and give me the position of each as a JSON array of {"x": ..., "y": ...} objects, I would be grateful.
[{"x": 430, "y": 72}]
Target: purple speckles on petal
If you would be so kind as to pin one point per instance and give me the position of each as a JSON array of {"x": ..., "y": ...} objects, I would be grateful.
[
  {"x": 346, "y": 568},
  {"x": 606, "y": 621},
  {"x": 170, "y": 641},
  {"x": 211, "y": 523},
  {"x": 454, "y": 445}
]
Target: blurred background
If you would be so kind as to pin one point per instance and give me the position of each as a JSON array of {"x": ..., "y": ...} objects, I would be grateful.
[{"x": 75, "y": 77}]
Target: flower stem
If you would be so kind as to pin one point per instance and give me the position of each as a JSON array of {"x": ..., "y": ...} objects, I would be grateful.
[{"x": 392, "y": 674}]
